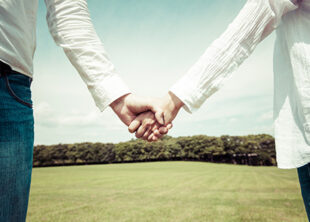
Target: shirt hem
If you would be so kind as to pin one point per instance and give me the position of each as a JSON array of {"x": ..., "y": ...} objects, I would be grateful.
[
  {"x": 16, "y": 69},
  {"x": 287, "y": 166}
]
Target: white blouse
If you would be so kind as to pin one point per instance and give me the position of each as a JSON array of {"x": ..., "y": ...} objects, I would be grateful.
[
  {"x": 256, "y": 20},
  {"x": 71, "y": 27}
]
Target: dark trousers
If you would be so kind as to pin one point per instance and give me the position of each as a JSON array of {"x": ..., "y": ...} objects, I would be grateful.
[{"x": 304, "y": 179}]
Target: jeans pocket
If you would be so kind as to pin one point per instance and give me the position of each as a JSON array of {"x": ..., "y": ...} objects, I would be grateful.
[{"x": 18, "y": 86}]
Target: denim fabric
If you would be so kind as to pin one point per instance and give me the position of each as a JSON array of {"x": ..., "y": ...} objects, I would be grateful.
[
  {"x": 16, "y": 148},
  {"x": 304, "y": 179}
]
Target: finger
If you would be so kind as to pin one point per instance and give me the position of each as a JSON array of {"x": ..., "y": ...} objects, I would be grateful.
[
  {"x": 134, "y": 125},
  {"x": 159, "y": 113},
  {"x": 156, "y": 133},
  {"x": 142, "y": 129},
  {"x": 155, "y": 127},
  {"x": 163, "y": 130},
  {"x": 159, "y": 136},
  {"x": 147, "y": 133},
  {"x": 155, "y": 138},
  {"x": 159, "y": 116},
  {"x": 150, "y": 138},
  {"x": 169, "y": 126}
]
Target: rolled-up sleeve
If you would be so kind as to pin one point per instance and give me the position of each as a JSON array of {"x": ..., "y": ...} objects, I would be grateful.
[
  {"x": 256, "y": 20},
  {"x": 71, "y": 27}
]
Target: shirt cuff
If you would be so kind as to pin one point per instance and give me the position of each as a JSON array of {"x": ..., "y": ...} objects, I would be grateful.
[
  {"x": 191, "y": 98},
  {"x": 108, "y": 90}
]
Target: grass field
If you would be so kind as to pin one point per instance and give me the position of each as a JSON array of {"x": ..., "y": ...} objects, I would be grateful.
[{"x": 165, "y": 191}]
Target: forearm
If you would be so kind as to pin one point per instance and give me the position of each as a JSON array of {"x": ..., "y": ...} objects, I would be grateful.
[
  {"x": 71, "y": 27},
  {"x": 256, "y": 20}
]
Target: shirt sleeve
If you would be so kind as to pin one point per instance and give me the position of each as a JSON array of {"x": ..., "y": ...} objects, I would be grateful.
[
  {"x": 71, "y": 27},
  {"x": 256, "y": 20}
]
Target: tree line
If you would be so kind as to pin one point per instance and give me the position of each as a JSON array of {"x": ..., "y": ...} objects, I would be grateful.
[{"x": 256, "y": 150}]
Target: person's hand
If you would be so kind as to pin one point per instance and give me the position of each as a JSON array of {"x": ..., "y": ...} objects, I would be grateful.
[
  {"x": 170, "y": 105},
  {"x": 146, "y": 124},
  {"x": 129, "y": 106}
]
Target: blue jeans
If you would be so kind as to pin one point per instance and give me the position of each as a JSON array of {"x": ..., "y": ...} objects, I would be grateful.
[
  {"x": 304, "y": 179},
  {"x": 16, "y": 146}
]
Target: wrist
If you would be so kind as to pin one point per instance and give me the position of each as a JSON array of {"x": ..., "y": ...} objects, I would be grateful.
[
  {"x": 175, "y": 102},
  {"x": 117, "y": 104}
]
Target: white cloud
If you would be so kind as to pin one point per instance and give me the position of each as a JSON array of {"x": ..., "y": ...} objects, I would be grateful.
[
  {"x": 232, "y": 120},
  {"x": 266, "y": 116},
  {"x": 45, "y": 115},
  {"x": 65, "y": 112}
]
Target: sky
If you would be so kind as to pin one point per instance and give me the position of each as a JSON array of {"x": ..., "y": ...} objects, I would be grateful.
[{"x": 152, "y": 44}]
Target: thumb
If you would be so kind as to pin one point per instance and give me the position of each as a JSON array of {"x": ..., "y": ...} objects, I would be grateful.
[
  {"x": 149, "y": 104},
  {"x": 159, "y": 114}
]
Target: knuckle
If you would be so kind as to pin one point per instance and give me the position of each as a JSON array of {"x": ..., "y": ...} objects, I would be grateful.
[
  {"x": 138, "y": 135},
  {"x": 145, "y": 137},
  {"x": 147, "y": 124}
]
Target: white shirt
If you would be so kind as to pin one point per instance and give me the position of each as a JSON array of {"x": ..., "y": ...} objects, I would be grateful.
[
  {"x": 256, "y": 20},
  {"x": 71, "y": 27}
]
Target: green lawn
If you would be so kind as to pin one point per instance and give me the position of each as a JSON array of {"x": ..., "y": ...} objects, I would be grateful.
[{"x": 165, "y": 191}]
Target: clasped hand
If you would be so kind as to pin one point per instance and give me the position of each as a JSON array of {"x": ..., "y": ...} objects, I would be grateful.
[{"x": 149, "y": 118}]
